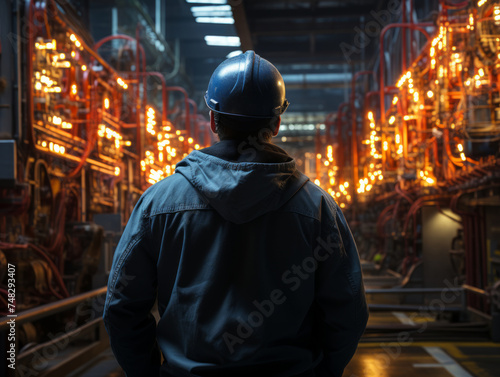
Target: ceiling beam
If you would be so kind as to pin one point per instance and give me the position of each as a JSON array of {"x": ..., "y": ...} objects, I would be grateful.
[
  {"x": 307, "y": 13},
  {"x": 241, "y": 25},
  {"x": 303, "y": 31}
]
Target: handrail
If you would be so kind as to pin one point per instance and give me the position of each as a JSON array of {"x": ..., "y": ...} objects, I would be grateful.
[
  {"x": 51, "y": 308},
  {"x": 414, "y": 290}
]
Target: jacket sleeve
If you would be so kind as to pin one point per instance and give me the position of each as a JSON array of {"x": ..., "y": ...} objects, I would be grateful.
[
  {"x": 130, "y": 297},
  {"x": 340, "y": 296}
]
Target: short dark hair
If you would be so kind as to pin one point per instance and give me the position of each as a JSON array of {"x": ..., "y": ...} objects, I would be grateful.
[{"x": 240, "y": 128}]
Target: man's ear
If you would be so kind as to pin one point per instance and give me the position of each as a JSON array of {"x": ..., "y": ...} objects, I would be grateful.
[
  {"x": 277, "y": 129},
  {"x": 212, "y": 122}
]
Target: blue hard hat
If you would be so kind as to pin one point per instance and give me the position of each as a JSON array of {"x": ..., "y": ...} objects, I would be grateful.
[{"x": 248, "y": 86}]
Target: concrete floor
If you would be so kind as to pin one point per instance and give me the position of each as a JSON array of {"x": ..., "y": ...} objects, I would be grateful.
[{"x": 399, "y": 356}]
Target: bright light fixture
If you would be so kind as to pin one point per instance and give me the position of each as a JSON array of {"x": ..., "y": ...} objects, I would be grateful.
[
  {"x": 219, "y": 40},
  {"x": 224, "y": 13},
  {"x": 214, "y": 8},
  {"x": 215, "y": 20},
  {"x": 206, "y": 1}
]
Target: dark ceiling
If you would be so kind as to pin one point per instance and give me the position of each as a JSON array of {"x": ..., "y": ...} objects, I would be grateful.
[
  {"x": 312, "y": 42},
  {"x": 316, "y": 44}
]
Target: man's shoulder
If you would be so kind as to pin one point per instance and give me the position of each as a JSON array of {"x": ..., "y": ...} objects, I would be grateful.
[
  {"x": 311, "y": 201},
  {"x": 173, "y": 182},
  {"x": 171, "y": 194}
]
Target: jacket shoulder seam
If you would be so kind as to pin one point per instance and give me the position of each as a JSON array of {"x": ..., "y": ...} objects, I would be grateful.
[
  {"x": 299, "y": 211},
  {"x": 179, "y": 208}
]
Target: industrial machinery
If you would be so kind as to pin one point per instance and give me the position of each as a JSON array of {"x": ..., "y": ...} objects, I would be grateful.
[
  {"x": 419, "y": 170},
  {"x": 80, "y": 141},
  {"x": 85, "y": 129}
]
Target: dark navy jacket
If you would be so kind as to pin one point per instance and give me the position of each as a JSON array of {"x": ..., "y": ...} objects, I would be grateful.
[{"x": 254, "y": 268}]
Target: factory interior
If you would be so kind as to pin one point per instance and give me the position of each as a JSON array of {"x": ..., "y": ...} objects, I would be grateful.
[{"x": 394, "y": 112}]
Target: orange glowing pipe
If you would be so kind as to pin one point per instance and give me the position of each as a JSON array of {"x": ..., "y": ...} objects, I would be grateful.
[
  {"x": 419, "y": 27},
  {"x": 142, "y": 54},
  {"x": 354, "y": 134}
]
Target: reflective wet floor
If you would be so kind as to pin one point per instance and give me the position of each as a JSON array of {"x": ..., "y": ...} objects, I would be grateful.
[{"x": 401, "y": 353}]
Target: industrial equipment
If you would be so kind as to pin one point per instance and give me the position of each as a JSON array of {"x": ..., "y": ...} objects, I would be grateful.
[
  {"x": 418, "y": 171},
  {"x": 79, "y": 143}
]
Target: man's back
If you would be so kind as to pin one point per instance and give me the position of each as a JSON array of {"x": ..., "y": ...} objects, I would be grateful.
[{"x": 255, "y": 269}]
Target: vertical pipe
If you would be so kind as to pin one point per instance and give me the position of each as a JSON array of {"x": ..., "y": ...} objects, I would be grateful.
[
  {"x": 195, "y": 113},
  {"x": 403, "y": 36},
  {"x": 419, "y": 27},
  {"x": 412, "y": 32},
  {"x": 338, "y": 125},
  {"x": 140, "y": 53},
  {"x": 164, "y": 95},
  {"x": 328, "y": 126},
  {"x": 144, "y": 78},
  {"x": 477, "y": 253},
  {"x": 138, "y": 109},
  {"x": 158, "y": 17},
  {"x": 317, "y": 141},
  {"x": 484, "y": 255},
  {"x": 186, "y": 105},
  {"x": 19, "y": 134},
  {"x": 84, "y": 195},
  {"x": 354, "y": 131}
]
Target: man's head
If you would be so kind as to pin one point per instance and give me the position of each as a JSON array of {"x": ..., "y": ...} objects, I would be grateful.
[{"x": 246, "y": 96}]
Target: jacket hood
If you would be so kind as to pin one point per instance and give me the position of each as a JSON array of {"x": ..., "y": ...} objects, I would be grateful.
[{"x": 236, "y": 186}]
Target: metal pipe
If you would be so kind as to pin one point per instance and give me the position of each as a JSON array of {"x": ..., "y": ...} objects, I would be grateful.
[
  {"x": 414, "y": 290},
  {"x": 60, "y": 339},
  {"x": 144, "y": 78},
  {"x": 52, "y": 308},
  {"x": 329, "y": 123},
  {"x": 419, "y": 27},
  {"x": 476, "y": 290},
  {"x": 195, "y": 113},
  {"x": 177, "y": 61},
  {"x": 338, "y": 126},
  {"x": 368, "y": 97},
  {"x": 480, "y": 313},
  {"x": 317, "y": 144},
  {"x": 400, "y": 191},
  {"x": 404, "y": 40},
  {"x": 411, "y": 33},
  {"x": 354, "y": 131},
  {"x": 164, "y": 95},
  {"x": 142, "y": 53},
  {"x": 411, "y": 308},
  {"x": 186, "y": 105}
]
